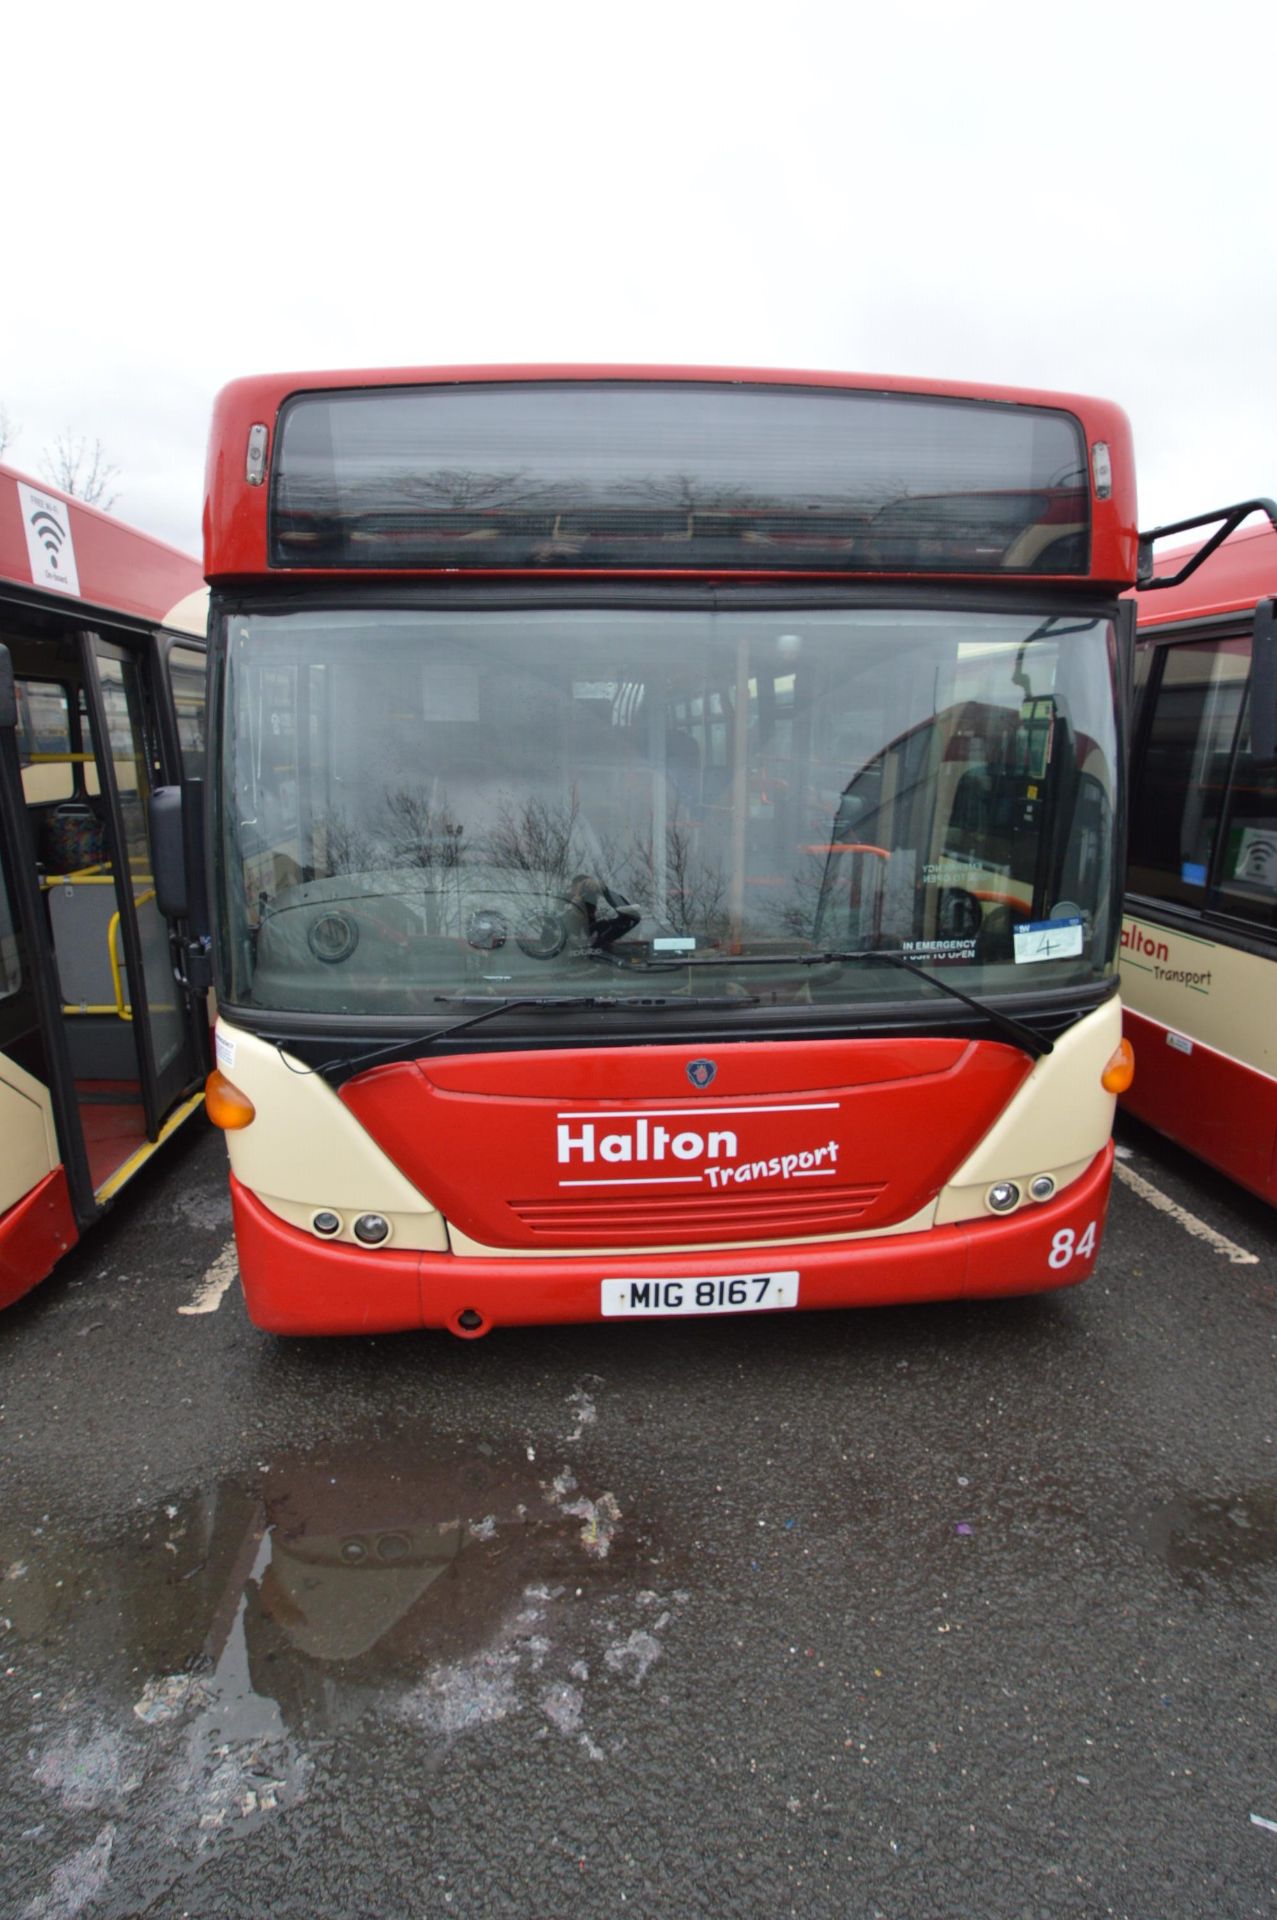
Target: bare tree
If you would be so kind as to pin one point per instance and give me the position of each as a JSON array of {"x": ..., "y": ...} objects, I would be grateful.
[
  {"x": 538, "y": 837},
  {"x": 346, "y": 846},
  {"x": 693, "y": 893},
  {"x": 8, "y": 431},
  {"x": 422, "y": 832},
  {"x": 80, "y": 469}
]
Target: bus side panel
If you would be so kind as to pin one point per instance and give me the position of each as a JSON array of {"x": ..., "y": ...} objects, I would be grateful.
[
  {"x": 294, "y": 1285},
  {"x": 34, "y": 1235},
  {"x": 1216, "y": 1107}
]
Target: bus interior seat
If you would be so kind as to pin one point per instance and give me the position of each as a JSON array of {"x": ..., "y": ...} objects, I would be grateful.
[{"x": 70, "y": 836}]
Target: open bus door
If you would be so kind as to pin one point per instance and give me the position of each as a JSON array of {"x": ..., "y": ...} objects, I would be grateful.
[
  {"x": 150, "y": 1045},
  {"x": 102, "y": 1051}
]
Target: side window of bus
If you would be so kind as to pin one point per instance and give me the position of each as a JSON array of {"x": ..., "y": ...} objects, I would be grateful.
[
  {"x": 44, "y": 742},
  {"x": 133, "y": 751},
  {"x": 187, "y": 670},
  {"x": 1246, "y": 879},
  {"x": 1144, "y": 659},
  {"x": 10, "y": 962},
  {"x": 1192, "y": 704}
]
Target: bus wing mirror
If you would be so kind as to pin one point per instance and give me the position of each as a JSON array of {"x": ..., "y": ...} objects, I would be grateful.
[
  {"x": 1263, "y": 682},
  {"x": 8, "y": 691},
  {"x": 177, "y": 848},
  {"x": 168, "y": 852},
  {"x": 1225, "y": 520}
]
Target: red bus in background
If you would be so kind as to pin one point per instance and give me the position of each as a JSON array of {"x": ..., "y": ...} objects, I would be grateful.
[
  {"x": 1199, "y": 938},
  {"x": 662, "y": 827},
  {"x": 102, "y": 659}
]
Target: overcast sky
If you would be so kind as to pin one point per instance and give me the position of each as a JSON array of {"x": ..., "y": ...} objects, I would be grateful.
[{"x": 1072, "y": 195}]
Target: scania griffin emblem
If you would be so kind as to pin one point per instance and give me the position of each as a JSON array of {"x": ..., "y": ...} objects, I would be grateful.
[{"x": 701, "y": 1072}]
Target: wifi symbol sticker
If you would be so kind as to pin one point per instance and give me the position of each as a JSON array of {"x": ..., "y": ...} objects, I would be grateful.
[
  {"x": 1257, "y": 858},
  {"x": 50, "y": 547},
  {"x": 50, "y": 530}
]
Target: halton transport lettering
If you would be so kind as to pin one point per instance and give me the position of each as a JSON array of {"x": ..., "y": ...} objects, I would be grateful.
[
  {"x": 646, "y": 1141},
  {"x": 1135, "y": 940}
]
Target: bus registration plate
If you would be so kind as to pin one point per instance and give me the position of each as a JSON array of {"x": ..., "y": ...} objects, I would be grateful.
[{"x": 723, "y": 1293}]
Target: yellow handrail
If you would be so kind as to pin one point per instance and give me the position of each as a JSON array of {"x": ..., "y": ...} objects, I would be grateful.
[
  {"x": 98, "y": 876},
  {"x": 117, "y": 970},
  {"x": 124, "y": 1010},
  {"x": 120, "y": 1007}
]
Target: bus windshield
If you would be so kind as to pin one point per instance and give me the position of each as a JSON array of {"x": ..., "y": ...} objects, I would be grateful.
[{"x": 421, "y": 803}]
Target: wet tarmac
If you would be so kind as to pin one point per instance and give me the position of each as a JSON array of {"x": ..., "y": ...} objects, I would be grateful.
[{"x": 960, "y": 1611}]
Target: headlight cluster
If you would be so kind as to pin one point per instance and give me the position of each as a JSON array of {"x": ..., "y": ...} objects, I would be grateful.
[
  {"x": 373, "y": 1229},
  {"x": 1004, "y": 1196}
]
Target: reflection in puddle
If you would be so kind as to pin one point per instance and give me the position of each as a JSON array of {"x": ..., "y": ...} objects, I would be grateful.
[
  {"x": 244, "y": 1629},
  {"x": 1229, "y": 1540}
]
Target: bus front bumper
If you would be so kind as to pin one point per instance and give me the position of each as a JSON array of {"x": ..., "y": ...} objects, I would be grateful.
[{"x": 294, "y": 1283}]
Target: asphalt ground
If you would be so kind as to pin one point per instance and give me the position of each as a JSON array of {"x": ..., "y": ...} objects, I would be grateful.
[{"x": 960, "y": 1610}]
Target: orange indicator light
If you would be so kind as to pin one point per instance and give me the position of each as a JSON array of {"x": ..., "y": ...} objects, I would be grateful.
[
  {"x": 1120, "y": 1071},
  {"x": 225, "y": 1105}
]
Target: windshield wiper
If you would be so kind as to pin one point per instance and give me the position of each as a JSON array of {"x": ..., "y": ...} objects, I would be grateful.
[
  {"x": 1029, "y": 1038},
  {"x": 490, "y": 1008},
  {"x": 1034, "y": 1043}
]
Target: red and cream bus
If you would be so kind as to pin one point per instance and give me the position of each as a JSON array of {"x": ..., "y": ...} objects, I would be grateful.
[
  {"x": 102, "y": 669},
  {"x": 663, "y": 838},
  {"x": 1199, "y": 938}
]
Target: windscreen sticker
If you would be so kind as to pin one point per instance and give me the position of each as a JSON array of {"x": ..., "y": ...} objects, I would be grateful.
[
  {"x": 1047, "y": 940},
  {"x": 957, "y": 869},
  {"x": 935, "y": 952}
]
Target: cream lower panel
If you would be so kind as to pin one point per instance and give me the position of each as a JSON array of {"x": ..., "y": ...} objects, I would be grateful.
[
  {"x": 409, "y": 1232},
  {"x": 1057, "y": 1122},
  {"x": 305, "y": 1152},
  {"x": 958, "y": 1203},
  {"x": 1206, "y": 991},
  {"x": 28, "y": 1143},
  {"x": 1061, "y": 1113}
]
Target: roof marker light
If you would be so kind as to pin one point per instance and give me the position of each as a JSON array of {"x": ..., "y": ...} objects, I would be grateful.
[
  {"x": 255, "y": 459},
  {"x": 1102, "y": 469}
]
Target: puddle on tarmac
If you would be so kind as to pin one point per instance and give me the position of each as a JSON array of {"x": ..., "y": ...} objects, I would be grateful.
[
  {"x": 1216, "y": 1540},
  {"x": 194, "y": 1664}
]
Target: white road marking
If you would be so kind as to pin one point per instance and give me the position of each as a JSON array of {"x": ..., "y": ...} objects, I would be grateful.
[
  {"x": 215, "y": 1282},
  {"x": 1189, "y": 1221}
]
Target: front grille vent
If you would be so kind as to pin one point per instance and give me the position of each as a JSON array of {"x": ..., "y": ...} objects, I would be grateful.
[{"x": 676, "y": 1220}]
